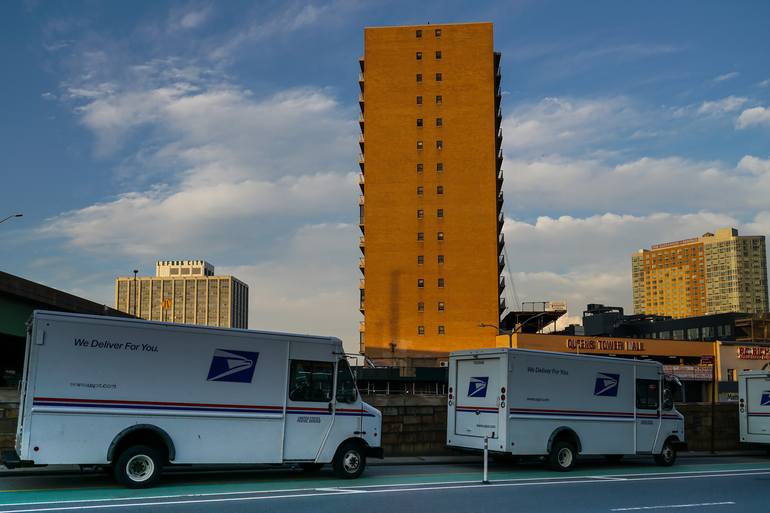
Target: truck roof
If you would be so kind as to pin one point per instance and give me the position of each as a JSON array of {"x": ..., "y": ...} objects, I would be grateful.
[
  {"x": 175, "y": 325},
  {"x": 503, "y": 350}
]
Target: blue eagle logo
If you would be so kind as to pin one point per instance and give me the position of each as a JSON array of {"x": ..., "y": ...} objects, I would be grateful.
[{"x": 233, "y": 366}]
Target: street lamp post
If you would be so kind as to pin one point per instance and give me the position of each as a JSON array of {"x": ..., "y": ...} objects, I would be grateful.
[
  {"x": 519, "y": 326},
  {"x": 10, "y": 217}
]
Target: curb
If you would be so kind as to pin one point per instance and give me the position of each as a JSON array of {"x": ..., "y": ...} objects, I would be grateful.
[{"x": 63, "y": 470}]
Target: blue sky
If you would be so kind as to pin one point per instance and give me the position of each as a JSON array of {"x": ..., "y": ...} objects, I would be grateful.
[{"x": 139, "y": 131}]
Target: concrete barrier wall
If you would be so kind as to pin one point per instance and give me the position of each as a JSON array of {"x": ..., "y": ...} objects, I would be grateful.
[
  {"x": 697, "y": 426},
  {"x": 416, "y": 425},
  {"x": 9, "y": 414},
  {"x": 412, "y": 425}
]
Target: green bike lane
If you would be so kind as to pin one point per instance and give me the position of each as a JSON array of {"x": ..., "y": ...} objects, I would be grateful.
[{"x": 99, "y": 488}]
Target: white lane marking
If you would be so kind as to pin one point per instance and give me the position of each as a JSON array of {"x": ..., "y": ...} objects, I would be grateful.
[
  {"x": 611, "y": 477},
  {"x": 333, "y": 489},
  {"x": 671, "y": 506},
  {"x": 349, "y": 491}
]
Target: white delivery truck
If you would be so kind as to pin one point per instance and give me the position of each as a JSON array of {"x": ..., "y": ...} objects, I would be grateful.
[
  {"x": 136, "y": 395},
  {"x": 558, "y": 405},
  {"x": 754, "y": 406}
]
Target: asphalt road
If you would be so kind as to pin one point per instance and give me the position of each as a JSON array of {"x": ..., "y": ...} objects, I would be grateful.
[{"x": 716, "y": 485}]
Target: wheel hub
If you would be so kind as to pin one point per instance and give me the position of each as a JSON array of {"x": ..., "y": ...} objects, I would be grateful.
[
  {"x": 564, "y": 457},
  {"x": 140, "y": 468},
  {"x": 351, "y": 461}
]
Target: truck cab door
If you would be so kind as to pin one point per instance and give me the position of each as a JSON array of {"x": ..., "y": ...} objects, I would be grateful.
[
  {"x": 348, "y": 410},
  {"x": 309, "y": 409}
]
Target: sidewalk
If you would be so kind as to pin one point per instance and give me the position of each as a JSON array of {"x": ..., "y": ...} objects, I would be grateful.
[{"x": 392, "y": 461}]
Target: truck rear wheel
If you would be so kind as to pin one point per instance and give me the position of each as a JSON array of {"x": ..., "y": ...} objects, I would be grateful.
[
  {"x": 350, "y": 461},
  {"x": 667, "y": 455},
  {"x": 562, "y": 456},
  {"x": 138, "y": 466}
]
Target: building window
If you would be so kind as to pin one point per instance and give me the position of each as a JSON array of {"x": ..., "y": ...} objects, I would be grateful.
[
  {"x": 441, "y": 283},
  {"x": 678, "y": 334},
  {"x": 419, "y": 100},
  {"x": 438, "y": 32},
  {"x": 438, "y": 99},
  {"x": 419, "y": 145},
  {"x": 420, "y": 236},
  {"x": 441, "y": 330},
  {"x": 420, "y": 213},
  {"x": 419, "y": 168},
  {"x": 419, "y": 77},
  {"x": 439, "y": 122},
  {"x": 441, "y": 259},
  {"x": 440, "y": 236},
  {"x": 420, "y": 283},
  {"x": 438, "y": 77},
  {"x": 421, "y": 330},
  {"x": 438, "y": 54},
  {"x": 418, "y": 33},
  {"x": 440, "y": 306},
  {"x": 439, "y": 144},
  {"x": 439, "y": 167},
  {"x": 419, "y": 122},
  {"x": 440, "y": 190},
  {"x": 418, "y": 56},
  {"x": 692, "y": 334},
  {"x": 420, "y": 259},
  {"x": 420, "y": 306},
  {"x": 440, "y": 212},
  {"x": 419, "y": 190}
]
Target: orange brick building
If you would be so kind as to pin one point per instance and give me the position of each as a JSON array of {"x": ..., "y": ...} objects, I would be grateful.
[
  {"x": 431, "y": 204},
  {"x": 716, "y": 273}
]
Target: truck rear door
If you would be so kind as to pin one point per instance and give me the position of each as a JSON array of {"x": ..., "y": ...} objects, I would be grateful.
[
  {"x": 478, "y": 383},
  {"x": 758, "y": 405}
]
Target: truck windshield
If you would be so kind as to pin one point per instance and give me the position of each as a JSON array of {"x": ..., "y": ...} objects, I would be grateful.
[{"x": 346, "y": 385}]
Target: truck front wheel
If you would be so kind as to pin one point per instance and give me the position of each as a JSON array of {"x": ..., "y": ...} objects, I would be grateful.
[
  {"x": 667, "y": 455},
  {"x": 350, "y": 461},
  {"x": 138, "y": 466}
]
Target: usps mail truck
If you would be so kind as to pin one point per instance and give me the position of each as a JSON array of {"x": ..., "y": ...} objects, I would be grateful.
[
  {"x": 754, "y": 406},
  {"x": 136, "y": 395},
  {"x": 559, "y": 406}
]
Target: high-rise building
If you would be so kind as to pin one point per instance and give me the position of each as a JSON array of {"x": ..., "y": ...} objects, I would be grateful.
[
  {"x": 185, "y": 291},
  {"x": 716, "y": 273},
  {"x": 431, "y": 204}
]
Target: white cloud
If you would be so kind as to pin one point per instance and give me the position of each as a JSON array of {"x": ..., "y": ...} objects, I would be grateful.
[
  {"x": 764, "y": 83},
  {"x": 726, "y": 76},
  {"x": 753, "y": 116},
  {"x": 559, "y": 184},
  {"x": 192, "y": 18},
  {"x": 311, "y": 288},
  {"x": 556, "y": 125},
  {"x": 725, "y": 105}
]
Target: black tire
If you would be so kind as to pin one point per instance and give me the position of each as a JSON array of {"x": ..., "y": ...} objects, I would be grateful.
[
  {"x": 562, "y": 457},
  {"x": 311, "y": 467},
  {"x": 667, "y": 455},
  {"x": 350, "y": 461},
  {"x": 138, "y": 466},
  {"x": 613, "y": 458}
]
